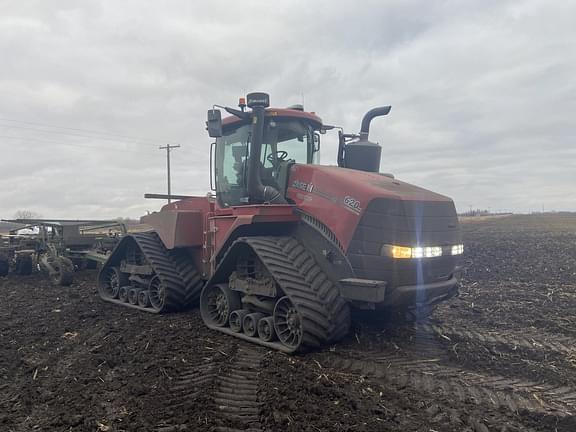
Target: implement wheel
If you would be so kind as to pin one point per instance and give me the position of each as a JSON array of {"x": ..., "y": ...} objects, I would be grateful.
[
  {"x": 216, "y": 304},
  {"x": 24, "y": 265},
  {"x": 64, "y": 272},
  {"x": 288, "y": 323}
]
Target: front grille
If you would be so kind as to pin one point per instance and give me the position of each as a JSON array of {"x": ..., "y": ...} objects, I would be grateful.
[{"x": 405, "y": 223}]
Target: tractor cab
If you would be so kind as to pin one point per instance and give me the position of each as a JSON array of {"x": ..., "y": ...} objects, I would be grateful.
[{"x": 255, "y": 149}]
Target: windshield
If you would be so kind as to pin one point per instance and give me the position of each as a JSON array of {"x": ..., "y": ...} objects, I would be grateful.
[
  {"x": 286, "y": 140},
  {"x": 283, "y": 140}
]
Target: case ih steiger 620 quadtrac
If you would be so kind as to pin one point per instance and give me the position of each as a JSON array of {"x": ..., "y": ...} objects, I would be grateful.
[{"x": 288, "y": 248}]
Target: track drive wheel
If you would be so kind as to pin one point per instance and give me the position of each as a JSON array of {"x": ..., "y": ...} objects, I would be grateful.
[
  {"x": 288, "y": 323},
  {"x": 63, "y": 272},
  {"x": 216, "y": 304}
]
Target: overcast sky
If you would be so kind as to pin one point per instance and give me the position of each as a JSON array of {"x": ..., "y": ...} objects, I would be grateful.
[{"x": 483, "y": 94}]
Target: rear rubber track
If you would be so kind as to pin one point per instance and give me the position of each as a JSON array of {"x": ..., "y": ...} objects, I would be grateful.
[
  {"x": 171, "y": 269},
  {"x": 192, "y": 280}
]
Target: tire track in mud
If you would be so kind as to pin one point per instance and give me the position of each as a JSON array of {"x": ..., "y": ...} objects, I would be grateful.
[
  {"x": 430, "y": 376},
  {"x": 227, "y": 390},
  {"x": 236, "y": 393},
  {"x": 536, "y": 342},
  {"x": 188, "y": 387}
]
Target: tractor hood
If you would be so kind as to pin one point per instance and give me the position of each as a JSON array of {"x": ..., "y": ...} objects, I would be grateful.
[{"x": 339, "y": 197}]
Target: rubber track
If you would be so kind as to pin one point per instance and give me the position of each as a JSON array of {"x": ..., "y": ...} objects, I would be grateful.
[
  {"x": 193, "y": 282},
  {"x": 429, "y": 376},
  {"x": 325, "y": 315},
  {"x": 164, "y": 267},
  {"x": 552, "y": 343}
]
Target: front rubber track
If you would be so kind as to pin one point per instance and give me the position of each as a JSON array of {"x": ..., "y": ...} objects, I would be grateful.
[
  {"x": 325, "y": 315},
  {"x": 167, "y": 265}
]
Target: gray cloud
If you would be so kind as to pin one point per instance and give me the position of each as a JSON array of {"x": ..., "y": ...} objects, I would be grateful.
[{"x": 482, "y": 93}]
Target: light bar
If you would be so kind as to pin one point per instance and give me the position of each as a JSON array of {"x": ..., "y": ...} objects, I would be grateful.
[{"x": 418, "y": 252}]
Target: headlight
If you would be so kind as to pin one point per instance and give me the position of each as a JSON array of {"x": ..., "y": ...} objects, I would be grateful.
[
  {"x": 405, "y": 252},
  {"x": 458, "y": 249}
]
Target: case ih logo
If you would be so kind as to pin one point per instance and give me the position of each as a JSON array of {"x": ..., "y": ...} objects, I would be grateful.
[
  {"x": 353, "y": 204},
  {"x": 306, "y": 187}
]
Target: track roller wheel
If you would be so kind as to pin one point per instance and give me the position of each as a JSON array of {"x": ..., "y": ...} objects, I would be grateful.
[
  {"x": 236, "y": 319},
  {"x": 216, "y": 304},
  {"x": 124, "y": 293},
  {"x": 250, "y": 323},
  {"x": 133, "y": 295},
  {"x": 63, "y": 272},
  {"x": 112, "y": 281},
  {"x": 143, "y": 299},
  {"x": 288, "y": 323},
  {"x": 266, "y": 330}
]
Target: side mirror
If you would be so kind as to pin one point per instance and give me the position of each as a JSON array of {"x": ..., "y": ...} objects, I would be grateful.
[
  {"x": 214, "y": 123},
  {"x": 316, "y": 138}
]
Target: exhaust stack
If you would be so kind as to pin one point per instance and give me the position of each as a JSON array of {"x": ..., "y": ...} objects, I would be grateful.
[{"x": 363, "y": 154}]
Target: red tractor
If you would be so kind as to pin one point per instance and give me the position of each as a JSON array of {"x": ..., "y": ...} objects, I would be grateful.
[{"x": 287, "y": 248}]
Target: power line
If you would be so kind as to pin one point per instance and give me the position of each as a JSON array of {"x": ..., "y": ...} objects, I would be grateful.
[
  {"x": 152, "y": 141},
  {"x": 73, "y": 134},
  {"x": 22, "y": 139}
]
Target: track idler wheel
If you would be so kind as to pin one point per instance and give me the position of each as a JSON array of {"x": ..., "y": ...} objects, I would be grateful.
[
  {"x": 250, "y": 323},
  {"x": 288, "y": 323},
  {"x": 143, "y": 299},
  {"x": 124, "y": 293},
  {"x": 216, "y": 304},
  {"x": 266, "y": 330},
  {"x": 111, "y": 282},
  {"x": 236, "y": 319}
]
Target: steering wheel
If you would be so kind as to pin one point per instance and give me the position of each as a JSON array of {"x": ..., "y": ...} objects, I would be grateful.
[{"x": 281, "y": 156}]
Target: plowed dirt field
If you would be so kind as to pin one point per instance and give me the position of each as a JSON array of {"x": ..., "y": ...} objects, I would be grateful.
[{"x": 500, "y": 357}]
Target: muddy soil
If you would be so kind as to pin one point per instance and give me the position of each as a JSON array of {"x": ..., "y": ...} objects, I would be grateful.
[{"x": 501, "y": 356}]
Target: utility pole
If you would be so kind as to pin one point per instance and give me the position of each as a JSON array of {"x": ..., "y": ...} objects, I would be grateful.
[{"x": 168, "y": 147}]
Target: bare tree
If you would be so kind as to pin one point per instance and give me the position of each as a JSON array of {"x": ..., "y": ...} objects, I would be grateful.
[{"x": 26, "y": 214}]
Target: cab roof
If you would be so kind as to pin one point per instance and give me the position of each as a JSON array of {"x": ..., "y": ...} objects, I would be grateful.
[{"x": 231, "y": 121}]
